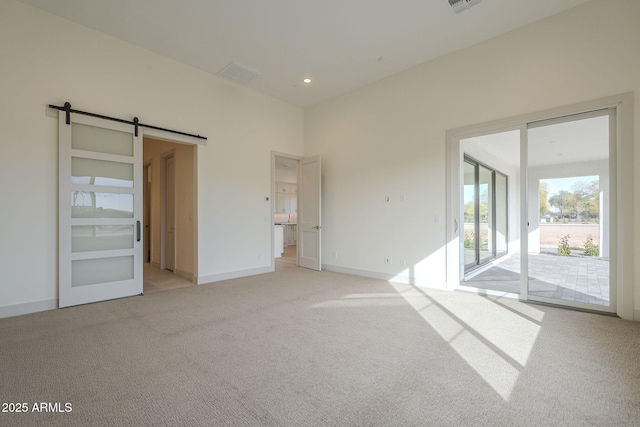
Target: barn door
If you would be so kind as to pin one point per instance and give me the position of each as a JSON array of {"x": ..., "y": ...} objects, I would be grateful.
[{"x": 100, "y": 210}]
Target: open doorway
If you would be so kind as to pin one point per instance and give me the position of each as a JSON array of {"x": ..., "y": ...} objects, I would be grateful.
[
  {"x": 170, "y": 213},
  {"x": 296, "y": 208},
  {"x": 285, "y": 215},
  {"x": 490, "y": 211}
]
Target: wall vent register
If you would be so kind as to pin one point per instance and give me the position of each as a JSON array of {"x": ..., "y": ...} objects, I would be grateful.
[{"x": 460, "y": 5}]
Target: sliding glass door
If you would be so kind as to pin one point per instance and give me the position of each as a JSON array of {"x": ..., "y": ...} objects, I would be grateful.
[
  {"x": 542, "y": 207},
  {"x": 569, "y": 197},
  {"x": 469, "y": 212},
  {"x": 485, "y": 214}
]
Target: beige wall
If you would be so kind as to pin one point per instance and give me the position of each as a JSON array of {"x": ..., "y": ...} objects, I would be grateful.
[
  {"x": 48, "y": 60},
  {"x": 154, "y": 153},
  {"x": 286, "y": 175},
  {"x": 389, "y": 138}
]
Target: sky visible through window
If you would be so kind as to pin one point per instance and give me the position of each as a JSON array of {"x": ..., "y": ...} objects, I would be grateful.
[{"x": 558, "y": 184}]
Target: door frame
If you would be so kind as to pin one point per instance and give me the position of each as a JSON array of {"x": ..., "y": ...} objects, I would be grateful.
[
  {"x": 160, "y": 135},
  {"x": 622, "y": 225},
  {"x": 171, "y": 154}
]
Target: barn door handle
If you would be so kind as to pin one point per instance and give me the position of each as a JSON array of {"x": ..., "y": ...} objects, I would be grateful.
[{"x": 138, "y": 231}]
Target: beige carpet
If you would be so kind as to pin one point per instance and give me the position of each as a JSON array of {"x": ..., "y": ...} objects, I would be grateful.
[{"x": 303, "y": 348}]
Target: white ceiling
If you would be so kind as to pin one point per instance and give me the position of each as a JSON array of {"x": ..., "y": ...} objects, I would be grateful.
[
  {"x": 583, "y": 140},
  {"x": 337, "y": 43}
]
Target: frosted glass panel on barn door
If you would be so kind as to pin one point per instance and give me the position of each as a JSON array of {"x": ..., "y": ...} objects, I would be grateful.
[{"x": 100, "y": 209}]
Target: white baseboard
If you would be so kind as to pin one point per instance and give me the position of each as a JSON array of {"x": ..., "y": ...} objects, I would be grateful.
[
  {"x": 233, "y": 275},
  {"x": 27, "y": 308},
  {"x": 186, "y": 275},
  {"x": 398, "y": 278},
  {"x": 401, "y": 278},
  {"x": 364, "y": 273}
]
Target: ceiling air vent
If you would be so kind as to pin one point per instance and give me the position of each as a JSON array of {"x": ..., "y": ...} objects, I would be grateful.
[
  {"x": 460, "y": 5},
  {"x": 238, "y": 73}
]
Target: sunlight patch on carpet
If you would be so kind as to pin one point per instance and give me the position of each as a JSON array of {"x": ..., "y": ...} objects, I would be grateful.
[{"x": 493, "y": 340}]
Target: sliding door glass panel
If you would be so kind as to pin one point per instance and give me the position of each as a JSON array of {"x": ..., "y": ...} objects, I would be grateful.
[
  {"x": 486, "y": 213},
  {"x": 470, "y": 258},
  {"x": 569, "y": 191},
  {"x": 482, "y": 199},
  {"x": 501, "y": 225}
]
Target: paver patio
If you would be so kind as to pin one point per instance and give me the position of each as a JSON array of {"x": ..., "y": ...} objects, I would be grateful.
[{"x": 570, "y": 278}]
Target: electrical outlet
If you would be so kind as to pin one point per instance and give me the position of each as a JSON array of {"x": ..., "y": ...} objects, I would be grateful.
[
  {"x": 403, "y": 198},
  {"x": 403, "y": 262},
  {"x": 388, "y": 261},
  {"x": 335, "y": 255}
]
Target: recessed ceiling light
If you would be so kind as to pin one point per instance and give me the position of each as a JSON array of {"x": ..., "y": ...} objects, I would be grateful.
[{"x": 306, "y": 81}]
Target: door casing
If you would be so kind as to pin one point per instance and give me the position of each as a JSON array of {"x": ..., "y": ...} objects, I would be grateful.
[
  {"x": 315, "y": 264},
  {"x": 168, "y": 213}
]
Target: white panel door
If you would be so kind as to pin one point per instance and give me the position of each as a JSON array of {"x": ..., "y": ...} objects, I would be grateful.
[
  {"x": 309, "y": 218},
  {"x": 100, "y": 210}
]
